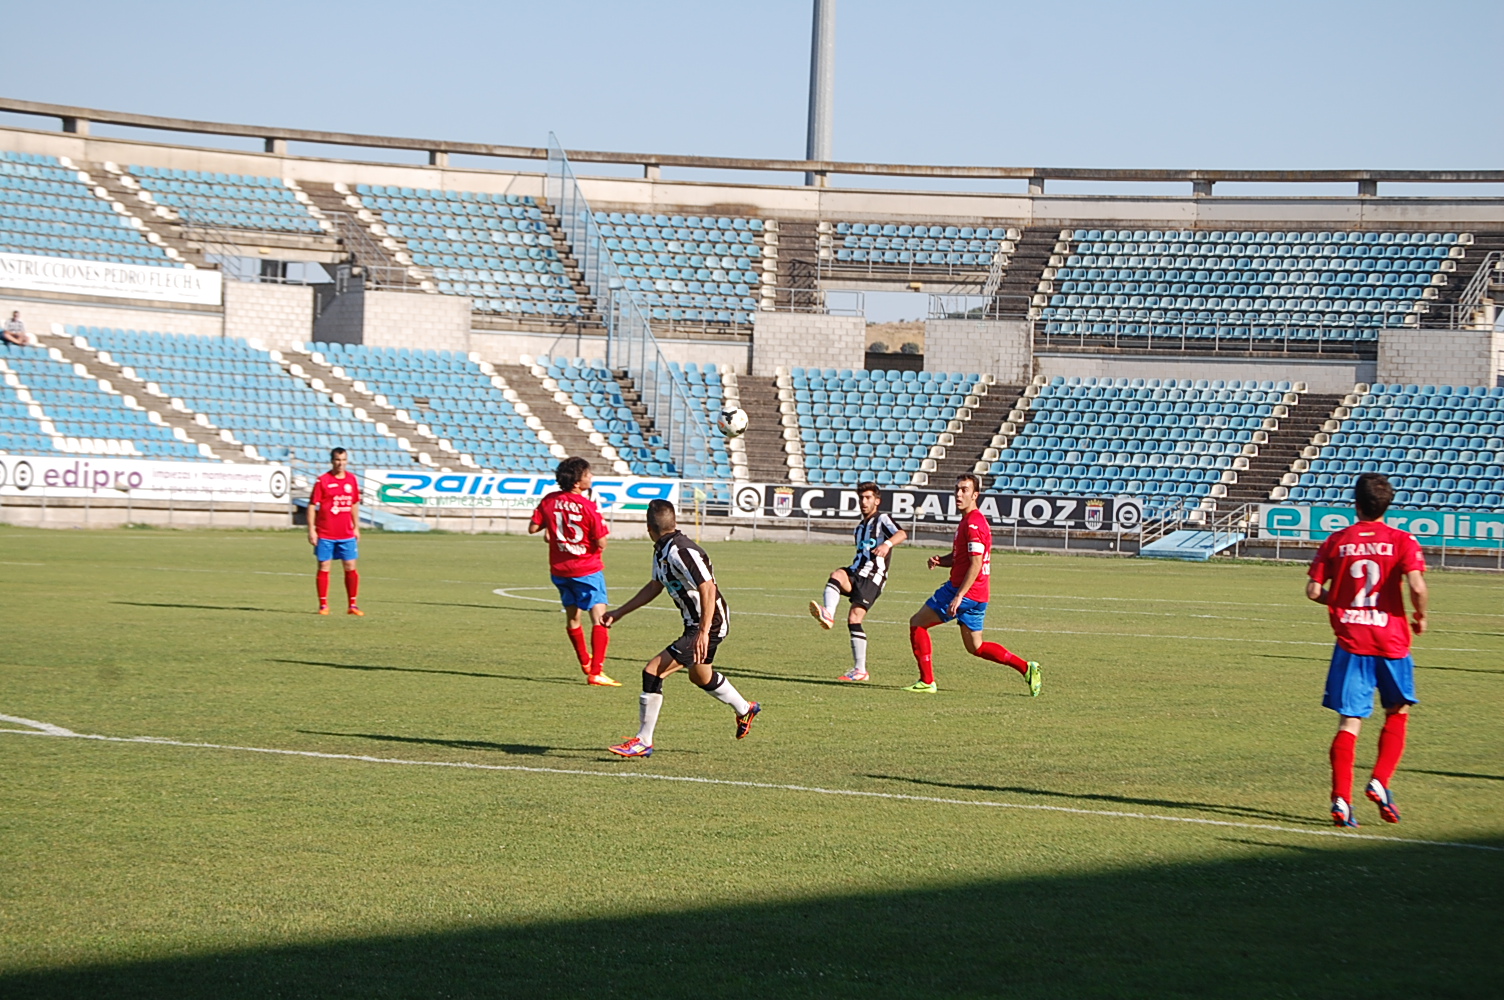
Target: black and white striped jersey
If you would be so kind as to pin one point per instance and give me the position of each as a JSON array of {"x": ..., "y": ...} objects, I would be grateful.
[
  {"x": 869, "y": 534},
  {"x": 681, "y": 566}
]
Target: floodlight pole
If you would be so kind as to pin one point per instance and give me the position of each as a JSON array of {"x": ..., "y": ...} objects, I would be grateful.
[{"x": 822, "y": 89}]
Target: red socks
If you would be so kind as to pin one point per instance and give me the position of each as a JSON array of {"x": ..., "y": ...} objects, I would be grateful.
[
  {"x": 997, "y": 654},
  {"x": 1343, "y": 746},
  {"x": 1391, "y": 746},
  {"x": 322, "y": 577},
  {"x": 352, "y": 583},
  {"x": 919, "y": 639},
  {"x": 577, "y": 640},
  {"x": 600, "y": 636}
]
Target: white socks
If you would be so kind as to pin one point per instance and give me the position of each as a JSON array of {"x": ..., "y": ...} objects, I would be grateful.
[
  {"x": 721, "y": 690},
  {"x": 648, "y": 706},
  {"x": 832, "y": 599},
  {"x": 858, "y": 647}
]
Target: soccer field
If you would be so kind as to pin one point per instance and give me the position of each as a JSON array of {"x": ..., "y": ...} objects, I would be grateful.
[{"x": 1154, "y": 824}]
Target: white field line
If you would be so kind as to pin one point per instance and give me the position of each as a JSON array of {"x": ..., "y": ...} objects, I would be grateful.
[
  {"x": 509, "y": 592},
  {"x": 46, "y": 729}
]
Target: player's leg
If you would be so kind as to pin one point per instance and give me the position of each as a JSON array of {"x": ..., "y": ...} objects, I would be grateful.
[
  {"x": 714, "y": 683},
  {"x": 649, "y": 704},
  {"x": 1350, "y": 685},
  {"x": 574, "y": 630},
  {"x": 824, "y": 610},
  {"x": 920, "y": 624},
  {"x": 352, "y": 584},
  {"x": 1396, "y": 682},
  {"x": 854, "y": 619},
  {"x": 971, "y": 638},
  {"x": 600, "y": 638},
  {"x": 321, "y": 583}
]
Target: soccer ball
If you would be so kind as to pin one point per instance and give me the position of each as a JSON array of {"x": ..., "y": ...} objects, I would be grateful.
[{"x": 733, "y": 422}]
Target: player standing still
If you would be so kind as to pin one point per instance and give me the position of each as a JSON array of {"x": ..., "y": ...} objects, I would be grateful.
[
  {"x": 1357, "y": 574},
  {"x": 576, "y": 535},
  {"x": 964, "y": 596},
  {"x": 334, "y": 527},
  {"x": 863, "y": 580},
  {"x": 683, "y": 569}
]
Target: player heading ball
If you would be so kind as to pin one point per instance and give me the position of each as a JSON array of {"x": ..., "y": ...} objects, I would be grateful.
[{"x": 576, "y": 535}]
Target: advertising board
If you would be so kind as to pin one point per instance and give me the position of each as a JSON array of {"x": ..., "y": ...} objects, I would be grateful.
[
  {"x": 1473, "y": 529},
  {"x": 141, "y": 479},
  {"x": 1078, "y": 513},
  {"x": 111, "y": 280},
  {"x": 505, "y": 491}
]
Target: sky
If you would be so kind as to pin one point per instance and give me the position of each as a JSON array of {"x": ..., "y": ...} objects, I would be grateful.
[{"x": 1158, "y": 83}]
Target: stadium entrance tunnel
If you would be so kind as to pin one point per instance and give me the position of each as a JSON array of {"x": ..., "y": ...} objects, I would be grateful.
[{"x": 1281, "y": 917}]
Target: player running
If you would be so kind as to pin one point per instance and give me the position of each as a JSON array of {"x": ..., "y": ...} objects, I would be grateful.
[
  {"x": 334, "y": 527},
  {"x": 576, "y": 535},
  {"x": 964, "y": 596},
  {"x": 863, "y": 580},
  {"x": 1360, "y": 568},
  {"x": 683, "y": 569}
]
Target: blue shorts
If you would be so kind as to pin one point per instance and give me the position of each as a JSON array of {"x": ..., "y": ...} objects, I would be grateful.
[
  {"x": 337, "y": 548},
  {"x": 972, "y": 614},
  {"x": 581, "y": 591},
  {"x": 1351, "y": 679}
]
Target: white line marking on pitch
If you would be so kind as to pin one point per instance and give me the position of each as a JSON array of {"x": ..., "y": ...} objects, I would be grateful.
[
  {"x": 507, "y": 592},
  {"x": 47, "y": 729}
]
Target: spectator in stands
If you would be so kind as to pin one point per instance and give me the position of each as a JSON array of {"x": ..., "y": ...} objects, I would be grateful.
[{"x": 15, "y": 334}]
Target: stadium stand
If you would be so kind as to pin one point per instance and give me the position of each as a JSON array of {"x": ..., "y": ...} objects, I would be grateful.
[
  {"x": 878, "y": 425},
  {"x": 1173, "y": 442},
  {"x": 454, "y": 396},
  {"x": 1441, "y": 447},
  {"x": 687, "y": 269},
  {"x": 241, "y": 389},
  {"x": 497, "y": 249},
  {"x": 231, "y": 201},
  {"x": 49, "y": 209},
  {"x": 920, "y": 245},
  {"x": 1260, "y": 286}
]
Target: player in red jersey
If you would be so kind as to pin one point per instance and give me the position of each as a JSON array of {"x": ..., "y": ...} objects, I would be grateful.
[
  {"x": 334, "y": 527},
  {"x": 576, "y": 535},
  {"x": 1357, "y": 574},
  {"x": 964, "y": 596}
]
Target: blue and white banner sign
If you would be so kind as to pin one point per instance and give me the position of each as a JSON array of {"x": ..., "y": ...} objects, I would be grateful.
[
  {"x": 506, "y": 491},
  {"x": 1472, "y": 529}
]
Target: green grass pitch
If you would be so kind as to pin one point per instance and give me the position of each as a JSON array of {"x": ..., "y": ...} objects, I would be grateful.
[{"x": 1171, "y": 692}]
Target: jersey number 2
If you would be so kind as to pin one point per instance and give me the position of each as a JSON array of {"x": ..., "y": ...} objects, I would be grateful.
[{"x": 1368, "y": 571}]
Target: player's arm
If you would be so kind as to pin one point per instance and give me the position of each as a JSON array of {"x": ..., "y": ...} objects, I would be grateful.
[
  {"x": 646, "y": 595},
  {"x": 535, "y": 523},
  {"x": 1416, "y": 581},
  {"x": 1316, "y": 591},
  {"x": 313, "y": 509},
  {"x": 936, "y": 562},
  {"x": 973, "y": 571},
  {"x": 355, "y": 513},
  {"x": 897, "y": 538},
  {"x": 707, "y": 618}
]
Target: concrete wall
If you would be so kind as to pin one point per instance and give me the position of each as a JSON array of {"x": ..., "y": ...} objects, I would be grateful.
[
  {"x": 1002, "y": 347},
  {"x": 1439, "y": 357},
  {"x": 397, "y": 319},
  {"x": 810, "y": 340},
  {"x": 40, "y": 313},
  {"x": 279, "y": 315},
  {"x": 1319, "y": 376}
]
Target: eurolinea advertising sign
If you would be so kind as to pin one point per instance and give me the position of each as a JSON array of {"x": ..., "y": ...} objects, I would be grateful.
[
  {"x": 777, "y": 500},
  {"x": 502, "y": 491},
  {"x": 98, "y": 476},
  {"x": 1473, "y": 529}
]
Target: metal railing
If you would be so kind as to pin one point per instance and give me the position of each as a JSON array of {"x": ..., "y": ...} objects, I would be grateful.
[
  {"x": 824, "y": 301},
  {"x": 1216, "y": 336},
  {"x": 677, "y": 416},
  {"x": 829, "y": 267},
  {"x": 984, "y": 306}
]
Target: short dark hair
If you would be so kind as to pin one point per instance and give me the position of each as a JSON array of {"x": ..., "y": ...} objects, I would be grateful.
[
  {"x": 976, "y": 481},
  {"x": 570, "y": 472},
  {"x": 336, "y": 451},
  {"x": 868, "y": 487},
  {"x": 1372, "y": 495},
  {"x": 661, "y": 517}
]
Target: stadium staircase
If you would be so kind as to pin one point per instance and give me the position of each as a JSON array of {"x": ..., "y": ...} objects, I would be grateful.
[
  {"x": 561, "y": 429},
  {"x": 632, "y": 397},
  {"x": 590, "y": 322},
  {"x": 382, "y": 259},
  {"x": 767, "y": 459},
  {"x": 1031, "y": 255},
  {"x": 154, "y": 222},
  {"x": 187, "y": 425},
  {"x": 795, "y": 247},
  {"x": 977, "y": 434},
  {"x": 407, "y": 429},
  {"x": 1440, "y": 314},
  {"x": 1277, "y": 455}
]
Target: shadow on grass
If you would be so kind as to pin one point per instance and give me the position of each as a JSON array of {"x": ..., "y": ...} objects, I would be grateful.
[
  {"x": 1460, "y": 670},
  {"x": 1258, "y": 924},
  {"x": 1242, "y": 812},
  {"x": 210, "y": 607},
  {"x": 520, "y": 749},
  {"x": 484, "y": 607},
  {"x": 427, "y": 670},
  {"x": 1456, "y": 774},
  {"x": 759, "y": 675}
]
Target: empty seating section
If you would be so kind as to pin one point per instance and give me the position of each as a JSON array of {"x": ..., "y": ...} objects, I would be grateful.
[
  {"x": 1270, "y": 286},
  {"x": 878, "y": 425},
  {"x": 47, "y": 210},
  {"x": 1167, "y": 441},
  {"x": 1441, "y": 446},
  {"x": 706, "y": 389},
  {"x": 687, "y": 269},
  {"x": 495, "y": 248},
  {"x": 240, "y": 388},
  {"x": 20, "y": 430},
  {"x": 450, "y": 394},
  {"x": 228, "y": 201},
  {"x": 925, "y": 245}
]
